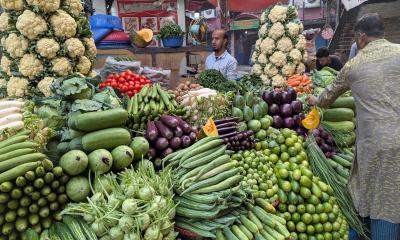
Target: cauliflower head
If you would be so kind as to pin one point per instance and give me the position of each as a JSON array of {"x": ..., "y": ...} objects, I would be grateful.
[
  {"x": 16, "y": 45},
  {"x": 90, "y": 46},
  {"x": 301, "y": 43},
  {"x": 74, "y": 7},
  {"x": 262, "y": 59},
  {"x": 293, "y": 29},
  {"x": 263, "y": 31},
  {"x": 92, "y": 74},
  {"x": 267, "y": 45},
  {"x": 61, "y": 66},
  {"x": 270, "y": 70},
  {"x": 46, "y": 6},
  {"x": 257, "y": 69},
  {"x": 278, "y": 81},
  {"x": 300, "y": 68},
  {"x": 84, "y": 65},
  {"x": 289, "y": 69},
  {"x": 29, "y": 66},
  {"x": 254, "y": 57},
  {"x": 4, "y": 21},
  {"x": 263, "y": 18},
  {"x": 265, "y": 80},
  {"x": 75, "y": 47},
  {"x": 47, "y": 47},
  {"x": 5, "y": 65},
  {"x": 295, "y": 55},
  {"x": 17, "y": 5},
  {"x": 278, "y": 58},
  {"x": 44, "y": 86},
  {"x": 284, "y": 44},
  {"x": 31, "y": 25},
  {"x": 3, "y": 83},
  {"x": 276, "y": 31},
  {"x": 278, "y": 14},
  {"x": 17, "y": 87},
  {"x": 64, "y": 25}
]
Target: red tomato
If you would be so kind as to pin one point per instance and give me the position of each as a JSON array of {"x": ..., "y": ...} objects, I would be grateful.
[
  {"x": 129, "y": 72},
  {"x": 148, "y": 81},
  {"x": 124, "y": 89},
  {"x": 123, "y": 74}
]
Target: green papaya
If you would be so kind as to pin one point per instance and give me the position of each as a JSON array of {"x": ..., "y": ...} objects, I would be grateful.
[
  {"x": 239, "y": 102},
  {"x": 264, "y": 107},
  {"x": 247, "y": 113},
  {"x": 282, "y": 197},
  {"x": 292, "y": 198},
  {"x": 236, "y": 112},
  {"x": 249, "y": 98},
  {"x": 257, "y": 111}
]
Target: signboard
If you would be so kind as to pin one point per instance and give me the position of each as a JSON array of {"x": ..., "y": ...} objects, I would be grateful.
[
  {"x": 245, "y": 24},
  {"x": 349, "y": 4}
]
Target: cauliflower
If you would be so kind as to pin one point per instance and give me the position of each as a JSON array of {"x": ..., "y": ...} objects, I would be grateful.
[
  {"x": 295, "y": 55},
  {"x": 92, "y": 74},
  {"x": 75, "y": 47},
  {"x": 270, "y": 70},
  {"x": 301, "y": 43},
  {"x": 17, "y": 5},
  {"x": 3, "y": 41},
  {"x": 265, "y": 80},
  {"x": 31, "y": 25},
  {"x": 263, "y": 18},
  {"x": 74, "y": 7},
  {"x": 16, "y": 45},
  {"x": 4, "y": 21},
  {"x": 90, "y": 46},
  {"x": 293, "y": 29},
  {"x": 278, "y": 14},
  {"x": 254, "y": 57},
  {"x": 262, "y": 58},
  {"x": 276, "y": 31},
  {"x": 278, "y": 58},
  {"x": 278, "y": 81},
  {"x": 64, "y": 25},
  {"x": 30, "y": 66},
  {"x": 300, "y": 68},
  {"x": 267, "y": 45},
  {"x": 5, "y": 65},
  {"x": 46, "y": 6},
  {"x": 47, "y": 47},
  {"x": 17, "y": 87},
  {"x": 61, "y": 66},
  {"x": 84, "y": 65},
  {"x": 289, "y": 69},
  {"x": 257, "y": 69},
  {"x": 284, "y": 44},
  {"x": 263, "y": 31},
  {"x": 44, "y": 86},
  {"x": 3, "y": 83}
]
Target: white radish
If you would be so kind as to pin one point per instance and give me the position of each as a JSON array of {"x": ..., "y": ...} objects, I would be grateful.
[
  {"x": 9, "y": 111},
  {"x": 9, "y": 104},
  {"x": 11, "y": 118},
  {"x": 16, "y": 125}
]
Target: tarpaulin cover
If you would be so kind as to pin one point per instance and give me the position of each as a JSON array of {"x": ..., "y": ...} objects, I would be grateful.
[
  {"x": 116, "y": 36},
  {"x": 248, "y": 5}
]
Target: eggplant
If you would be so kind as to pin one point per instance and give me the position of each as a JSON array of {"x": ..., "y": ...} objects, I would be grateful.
[
  {"x": 286, "y": 97},
  {"x": 225, "y": 120},
  {"x": 325, "y": 147},
  {"x": 286, "y": 110},
  {"x": 151, "y": 131},
  {"x": 297, "y": 107},
  {"x": 166, "y": 152},
  {"x": 274, "y": 109},
  {"x": 185, "y": 141},
  {"x": 324, "y": 134},
  {"x": 169, "y": 121},
  {"x": 178, "y": 132},
  {"x": 164, "y": 130},
  {"x": 152, "y": 153},
  {"x": 268, "y": 97},
  {"x": 328, "y": 154},
  {"x": 277, "y": 97},
  {"x": 288, "y": 122},
  {"x": 297, "y": 120},
  {"x": 277, "y": 121},
  {"x": 329, "y": 140},
  {"x": 319, "y": 140},
  {"x": 161, "y": 143},
  {"x": 186, "y": 128},
  {"x": 193, "y": 137},
  {"x": 227, "y": 130},
  {"x": 228, "y": 135},
  {"x": 302, "y": 116},
  {"x": 316, "y": 132},
  {"x": 228, "y": 124},
  {"x": 195, "y": 129},
  {"x": 292, "y": 93},
  {"x": 175, "y": 143}
]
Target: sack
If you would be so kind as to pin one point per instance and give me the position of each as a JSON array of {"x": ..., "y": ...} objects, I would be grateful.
[
  {"x": 158, "y": 75},
  {"x": 112, "y": 66},
  {"x": 105, "y": 21}
]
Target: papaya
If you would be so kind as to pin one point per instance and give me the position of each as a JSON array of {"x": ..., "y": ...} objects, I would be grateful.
[
  {"x": 257, "y": 111},
  {"x": 236, "y": 112},
  {"x": 249, "y": 98},
  {"x": 247, "y": 113},
  {"x": 292, "y": 198},
  {"x": 239, "y": 102},
  {"x": 264, "y": 107}
]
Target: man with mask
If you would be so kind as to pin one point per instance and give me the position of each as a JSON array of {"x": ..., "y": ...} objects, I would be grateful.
[
  {"x": 221, "y": 60},
  {"x": 373, "y": 76}
]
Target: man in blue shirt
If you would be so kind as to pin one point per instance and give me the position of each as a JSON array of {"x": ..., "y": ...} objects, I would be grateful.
[{"x": 221, "y": 60}]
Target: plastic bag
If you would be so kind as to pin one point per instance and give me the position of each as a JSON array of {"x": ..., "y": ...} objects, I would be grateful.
[
  {"x": 158, "y": 75},
  {"x": 113, "y": 66}
]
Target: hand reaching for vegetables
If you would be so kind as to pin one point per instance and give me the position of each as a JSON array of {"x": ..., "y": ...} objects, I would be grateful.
[{"x": 312, "y": 100}]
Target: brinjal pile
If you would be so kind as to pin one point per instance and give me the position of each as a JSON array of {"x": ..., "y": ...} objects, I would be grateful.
[
  {"x": 325, "y": 141},
  {"x": 233, "y": 138}
]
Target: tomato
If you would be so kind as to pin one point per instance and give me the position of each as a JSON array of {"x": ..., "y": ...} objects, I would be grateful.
[
  {"x": 124, "y": 89},
  {"x": 130, "y": 93},
  {"x": 148, "y": 81},
  {"x": 129, "y": 72},
  {"x": 135, "y": 91},
  {"x": 142, "y": 81}
]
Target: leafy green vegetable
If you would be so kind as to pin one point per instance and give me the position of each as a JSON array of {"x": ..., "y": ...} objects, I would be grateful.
[
  {"x": 250, "y": 83},
  {"x": 86, "y": 105},
  {"x": 213, "y": 79},
  {"x": 108, "y": 96}
]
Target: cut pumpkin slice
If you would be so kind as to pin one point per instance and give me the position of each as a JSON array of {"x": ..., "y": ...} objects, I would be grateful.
[
  {"x": 210, "y": 129},
  {"x": 141, "y": 38},
  {"x": 312, "y": 119}
]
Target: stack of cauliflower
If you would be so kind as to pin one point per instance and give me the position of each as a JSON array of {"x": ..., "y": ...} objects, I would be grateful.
[
  {"x": 42, "y": 40},
  {"x": 281, "y": 48}
]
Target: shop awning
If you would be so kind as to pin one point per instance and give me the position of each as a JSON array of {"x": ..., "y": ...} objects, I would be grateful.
[{"x": 247, "y": 5}]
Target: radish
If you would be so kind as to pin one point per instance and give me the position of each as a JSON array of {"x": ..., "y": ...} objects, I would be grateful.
[
  {"x": 9, "y": 104},
  {"x": 16, "y": 125},
  {"x": 129, "y": 206},
  {"x": 9, "y": 111},
  {"x": 100, "y": 161},
  {"x": 11, "y": 118}
]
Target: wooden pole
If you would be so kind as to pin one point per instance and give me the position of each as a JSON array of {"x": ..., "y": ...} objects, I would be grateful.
[{"x": 224, "y": 13}]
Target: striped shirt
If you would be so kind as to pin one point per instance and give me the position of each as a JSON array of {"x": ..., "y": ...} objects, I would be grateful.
[{"x": 225, "y": 63}]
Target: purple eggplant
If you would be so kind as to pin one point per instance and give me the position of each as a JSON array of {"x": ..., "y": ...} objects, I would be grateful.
[
  {"x": 274, "y": 109},
  {"x": 228, "y": 135},
  {"x": 169, "y": 121},
  {"x": 292, "y": 93},
  {"x": 268, "y": 97},
  {"x": 178, "y": 132},
  {"x": 225, "y": 120},
  {"x": 288, "y": 122},
  {"x": 227, "y": 130},
  {"x": 152, "y": 153},
  {"x": 166, "y": 152},
  {"x": 164, "y": 130},
  {"x": 175, "y": 142},
  {"x": 161, "y": 143},
  {"x": 277, "y": 121},
  {"x": 185, "y": 141},
  {"x": 286, "y": 110},
  {"x": 151, "y": 131},
  {"x": 297, "y": 107},
  {"x": 186, "y": 128},
  {"x": 286, "y": 97},
  {"x": 228, "y": 124},
  {"x": 277, "y": 98}
]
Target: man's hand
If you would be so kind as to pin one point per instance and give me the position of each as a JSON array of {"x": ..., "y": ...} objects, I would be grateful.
[{"x": 312, "y": 100}]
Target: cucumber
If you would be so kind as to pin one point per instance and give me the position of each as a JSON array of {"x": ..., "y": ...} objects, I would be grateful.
[
  {"x": 341, "y": 161},
  {"x": 92, "y": 121},
  {"x": 106, "y": 139},
  {"x": 344, "y": 102},
  {"x": 345, "y": 156},
  {"x": 63, "y": 231},
  {"x": 90, "y": 235},
  {"x": 338, "y": 114}
]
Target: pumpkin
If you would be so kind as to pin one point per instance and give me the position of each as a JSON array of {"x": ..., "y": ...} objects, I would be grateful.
[
  {"x": 142, "y": 38},
  {"x": 312, "y": 119},
  {"x": 210, "y": 129}
]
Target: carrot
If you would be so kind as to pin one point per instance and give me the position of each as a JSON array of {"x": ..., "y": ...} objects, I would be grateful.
[
  {"x": 294, "y": 84},
  {"x": 294, "y": 78}
]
